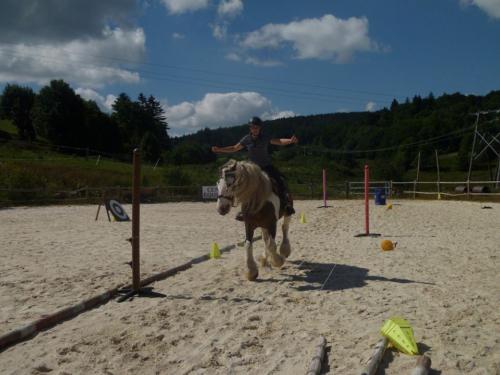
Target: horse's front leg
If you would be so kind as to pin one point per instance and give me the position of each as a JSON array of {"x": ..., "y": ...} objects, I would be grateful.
[
  {"x": 252, "y": 270},
  {"x": 263, "y": 258},
  {"x": 276, "y": 259},
  {"x": 285, "y": 248}
]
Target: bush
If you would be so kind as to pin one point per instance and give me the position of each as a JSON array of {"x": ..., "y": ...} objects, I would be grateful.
[
  {"x": 176, "y": 177},
  {"x": 24, "y": 185},
  {"x": 192, "y": 153}
]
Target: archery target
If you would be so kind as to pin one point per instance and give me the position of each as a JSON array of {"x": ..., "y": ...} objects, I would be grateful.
[{"x": 117, "y": 210}]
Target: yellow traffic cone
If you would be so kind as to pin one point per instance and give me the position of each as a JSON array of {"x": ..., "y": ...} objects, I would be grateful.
[
  {"x": 302, "y": 218},
  {"x": 214, "y": 251},
  {"x": 399, "y": 332}
]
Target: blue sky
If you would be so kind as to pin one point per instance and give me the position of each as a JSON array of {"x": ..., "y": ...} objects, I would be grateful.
[{"x": 218, "y": 62}]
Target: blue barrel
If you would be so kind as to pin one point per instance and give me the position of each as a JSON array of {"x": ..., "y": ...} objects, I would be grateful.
[{"x": 380, "y": 196}]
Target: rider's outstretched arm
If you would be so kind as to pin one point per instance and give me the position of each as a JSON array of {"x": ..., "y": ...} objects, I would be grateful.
[
  {"x": 284, "y": 141},
  {"x": 228, "y": 149}
]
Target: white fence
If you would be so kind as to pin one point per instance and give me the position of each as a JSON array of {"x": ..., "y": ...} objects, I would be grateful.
[{"x": 427, "y": 188}]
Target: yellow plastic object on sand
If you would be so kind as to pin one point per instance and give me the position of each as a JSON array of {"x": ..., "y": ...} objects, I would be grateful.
[
  {"x": 302, "y": 218},
  {"x": 389, "y": 206},
  {"x": 387, "y": 245},
  {"x": 400, "y": 334},
  {"x": 214, "y": 251}
]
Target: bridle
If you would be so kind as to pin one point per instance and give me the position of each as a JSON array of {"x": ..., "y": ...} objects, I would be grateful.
[
  {"x": 229, "y": 198},
  {"x": 228, "y": 175}
]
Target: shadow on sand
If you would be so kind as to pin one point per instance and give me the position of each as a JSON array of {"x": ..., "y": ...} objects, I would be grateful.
[
  {"x": 331, "y": 276},
  {"x": 389, "y": 356}
]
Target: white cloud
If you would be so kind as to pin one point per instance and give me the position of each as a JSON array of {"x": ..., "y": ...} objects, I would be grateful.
[
  {"x": 233, "y": 56},
  {"x": 491, "y": 7},
  {"x": 178, "y": 36},
  {"x": 219, "y": 30},
  {"x": 50, "y": 21},
  {"x": 230, "y": 8},
  {"x": 227, "y": 10},
  {"x": 327, "y": 37},
  {"x": 105, "y": 103},
  {"x": 370, "y": 106},
  {"x": 266, "y": 63},
  {"x": 277, "y": 115},
  {"x": 110, "y": 100},
  {"x": 220, "y": 110},
  {"x": 184, "y": 6},
  {"x": 79, "y": 61}
]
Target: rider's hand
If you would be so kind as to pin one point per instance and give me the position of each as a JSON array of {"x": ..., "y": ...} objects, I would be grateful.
[
  {"x": 215, "y": 149},
  {"x": 294, "y": 139}
]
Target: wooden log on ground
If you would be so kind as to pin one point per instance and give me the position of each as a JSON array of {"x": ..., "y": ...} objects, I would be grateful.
[
  {"x": 422, "y": 366},
  {"x": 374, "y": 361},
  {"x": 319, "y": 354}
]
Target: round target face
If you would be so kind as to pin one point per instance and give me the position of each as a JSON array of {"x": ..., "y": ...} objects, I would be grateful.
[{"x": 117, "y": 210}]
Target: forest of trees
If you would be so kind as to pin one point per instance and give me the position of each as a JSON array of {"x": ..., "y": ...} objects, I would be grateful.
[
  {"x": 61, "y": 117},
  {"x": 392, "y": 136},
  {"x": 395, "y": 134}
]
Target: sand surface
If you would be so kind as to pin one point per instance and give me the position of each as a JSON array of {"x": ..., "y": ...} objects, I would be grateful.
[{"x": 443, "y": 278}]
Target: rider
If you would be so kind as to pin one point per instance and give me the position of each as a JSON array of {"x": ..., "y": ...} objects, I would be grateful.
[{"x": 256, "y": 142}]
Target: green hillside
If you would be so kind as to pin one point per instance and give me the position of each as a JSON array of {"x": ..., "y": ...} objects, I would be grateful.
[
  {"x": 36, "y": 174},
  {"x": 44, "y": 163}
]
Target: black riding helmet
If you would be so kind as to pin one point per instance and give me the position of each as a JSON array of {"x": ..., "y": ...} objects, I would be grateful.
[{"x": 255, "y": 121}]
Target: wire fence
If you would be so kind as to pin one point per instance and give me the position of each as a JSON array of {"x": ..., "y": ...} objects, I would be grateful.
[
  {"x": 90, "y": 195},
  {"x": 429, "y": 189},
  {"x": 347, "y": 190}
]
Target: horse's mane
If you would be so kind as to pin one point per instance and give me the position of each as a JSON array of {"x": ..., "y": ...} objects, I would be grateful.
[{"x": 252, "y": 187}]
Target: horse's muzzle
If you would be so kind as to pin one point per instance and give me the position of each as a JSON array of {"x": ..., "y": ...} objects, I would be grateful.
[{"x": 223, "y": 210}]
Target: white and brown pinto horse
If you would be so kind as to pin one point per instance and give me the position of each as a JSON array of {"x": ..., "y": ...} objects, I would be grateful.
[{"x": 244, "y": 182}]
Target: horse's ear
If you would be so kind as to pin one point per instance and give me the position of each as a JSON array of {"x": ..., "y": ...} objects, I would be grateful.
[{"x": 232, "y": 164}]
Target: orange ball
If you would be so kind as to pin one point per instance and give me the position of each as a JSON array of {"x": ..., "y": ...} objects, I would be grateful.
[{"x": 387, "y": 245}]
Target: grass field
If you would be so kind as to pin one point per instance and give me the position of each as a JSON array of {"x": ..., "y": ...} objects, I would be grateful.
[{"x": 37, "y": 173}]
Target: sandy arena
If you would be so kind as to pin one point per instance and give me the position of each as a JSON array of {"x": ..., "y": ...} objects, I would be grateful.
[{"x": 443, "y": 277}]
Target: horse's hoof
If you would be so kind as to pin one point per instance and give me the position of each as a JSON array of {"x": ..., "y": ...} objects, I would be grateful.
[
  {"x": 252, "y": 275},
  {"x": 277, "y": 261},
  {"x": 263, "y": 261},
  {"x": 285, "y": 249}
]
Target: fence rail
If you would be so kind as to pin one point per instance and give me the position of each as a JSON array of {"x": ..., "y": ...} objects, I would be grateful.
[
  {"x": 344, "y": 190},
  {"x": 429, "y": 188}
]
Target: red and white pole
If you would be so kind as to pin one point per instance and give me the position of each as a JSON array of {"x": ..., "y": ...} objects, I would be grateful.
[
  {"x": 367, "y": 200},
  {"x": 324, "y": 187}
]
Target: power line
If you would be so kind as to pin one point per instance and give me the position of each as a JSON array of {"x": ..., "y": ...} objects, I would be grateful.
[
  {"x": 220, "y": 85},
  {"x": 223, "y": 74},
  {"x": 390, "y": 148},
  {"x": 301, "y": 95}
]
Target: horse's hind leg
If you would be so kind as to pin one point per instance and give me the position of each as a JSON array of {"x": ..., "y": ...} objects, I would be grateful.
[
  {"x": 285, "y": 248},
  {"x": 276, "y": 259},
  {"x": 252, "y": 271}
]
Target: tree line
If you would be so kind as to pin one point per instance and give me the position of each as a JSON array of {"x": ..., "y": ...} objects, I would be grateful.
[
  {"x": 56, "y": 114},
  {"x": 392, "y": 136}
]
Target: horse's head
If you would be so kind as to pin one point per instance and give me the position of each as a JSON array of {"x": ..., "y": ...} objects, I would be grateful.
[{"x": 225, "y": 187}]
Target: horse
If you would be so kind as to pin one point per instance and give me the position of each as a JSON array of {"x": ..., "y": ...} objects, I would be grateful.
[{"x": 244, "y": 182}]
